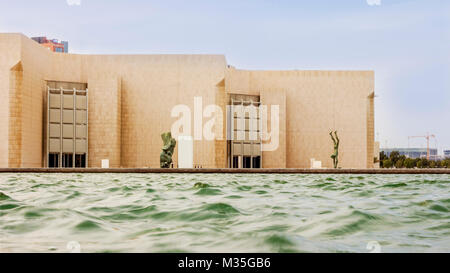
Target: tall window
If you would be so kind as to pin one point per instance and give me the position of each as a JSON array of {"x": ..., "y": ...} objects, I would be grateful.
[
  {"x": 244, "y": 126},
  {"x": 67, "y": 125}
]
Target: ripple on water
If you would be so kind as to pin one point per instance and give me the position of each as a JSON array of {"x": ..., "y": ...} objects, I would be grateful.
[
  {"x": 356, "y": 221},
  {"x": 143, "y": 210},
  {"x": 439, "y": 208},
  {"x": 394, "y": 185},
  {"x": 8, "y": 206},
  {"x": 32, "y": 214},
  {"x": 75, "y": 194},
  {"x": 132, "y": 214},
  {"x": 4, "y": 197},
  {"x": 203, "y": 213},
  {"x": 221, "y": 208},
  {"x": 280, "y": 243},
  {"x": 244, "y": 188},
  {"x": 88, "y": 225},
  {"x": 357, "y": 177},
  {"x": 200, "y": 185},
  {"x": 321, "y": 185},
  {"x": 120, "y": 217},
  {"x": 234, "y": 197},
  {"x": 444, "y": 226},
  {"x": 208, "y": 191}
]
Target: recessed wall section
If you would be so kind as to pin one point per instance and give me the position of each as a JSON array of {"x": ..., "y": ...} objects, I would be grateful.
[{"x": 67, "y": 127}]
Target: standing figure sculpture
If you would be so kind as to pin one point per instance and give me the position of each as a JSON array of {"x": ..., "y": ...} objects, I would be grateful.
[
  {"x": 165, "y": 159},
  {"x": 335, "y": 155}
]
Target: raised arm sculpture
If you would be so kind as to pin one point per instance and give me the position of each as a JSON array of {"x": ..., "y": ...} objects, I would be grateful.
[
  {"x": 335, "y": 155},
  {"x": 165, "y": 159}
]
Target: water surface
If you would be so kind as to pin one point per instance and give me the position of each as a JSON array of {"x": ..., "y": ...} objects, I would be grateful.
[{"x": 224, "y": 212}]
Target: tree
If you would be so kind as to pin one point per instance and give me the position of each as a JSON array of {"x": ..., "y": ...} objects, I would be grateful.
[
  {"x": 402, "y": 157},
  {"x": 409, "y": 163},
  {"x": 399, "y": 164},
  {"x": 425, "y": 162},
  {"x": 445, "y": 163},
  {"x": 387, "y": 163},
  {"x": 419, "y": 164},
  {"x": 382, "y": 156},
  {"x": 394, "y": 156},
  {"x": 433, "y": 164}
]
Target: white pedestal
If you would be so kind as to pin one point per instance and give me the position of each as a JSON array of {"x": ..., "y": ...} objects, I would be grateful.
[
  {"x": 105, "y": 163},
  {"x": 185, "y": 152}
]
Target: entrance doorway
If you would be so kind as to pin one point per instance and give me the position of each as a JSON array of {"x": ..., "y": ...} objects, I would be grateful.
[
  {"x": 67, "y": 161},
  {"x": 80, "y": 161},
  {"x": 53, "y": 160}
]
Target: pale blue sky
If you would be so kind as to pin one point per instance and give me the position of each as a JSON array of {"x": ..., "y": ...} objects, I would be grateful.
[{"x": 406, "y": 42}]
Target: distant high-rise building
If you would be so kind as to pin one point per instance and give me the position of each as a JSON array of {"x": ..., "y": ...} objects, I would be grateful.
[
  {"x": 53, "y": 44},
  {"x": 447, "y": 153},
  {"x": 412, "y": 152}
]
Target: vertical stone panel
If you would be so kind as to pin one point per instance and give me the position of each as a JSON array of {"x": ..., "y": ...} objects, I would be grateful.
[
  {"x": 4, "y": 117},
  {"x": 15, "y": 116},
  {"x": 221, "y": 144},
  {"x": 35, "y": 61},
  {"x": 276, "y": 158},
  {"x": 104, "y": 121},
  {"x": 370, "y": 132},
  {"x": 376, "y": 153},
  {"x": 10, "y": 45}
]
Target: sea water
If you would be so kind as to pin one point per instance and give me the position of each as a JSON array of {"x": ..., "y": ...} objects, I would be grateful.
[{"x": 224, "y": 213}]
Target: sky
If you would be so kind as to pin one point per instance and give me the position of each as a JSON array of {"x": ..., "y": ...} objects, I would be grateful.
[{"x": 406, "y": 43}]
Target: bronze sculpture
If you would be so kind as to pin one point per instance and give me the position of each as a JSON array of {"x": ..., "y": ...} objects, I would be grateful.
[
  {"x": 335, "y": 155},
  {"x": 165, "y": 159}
]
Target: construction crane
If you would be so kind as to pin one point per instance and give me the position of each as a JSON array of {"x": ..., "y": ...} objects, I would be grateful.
[{"x": 427, "y": 137}]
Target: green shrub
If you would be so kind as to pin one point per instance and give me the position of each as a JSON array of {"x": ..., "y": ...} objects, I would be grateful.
[
  {"x": 425, "y": 163},
  {"x": 400, "y": 161},
  {"x": 409, "y": 163},
  {"x": 419, "y": 164},
  {"x": 445, "y": 163},
  {"x": 432, "y": 164},
  {"x": 387, "y": 163},
  {"x": 394, "y": 156},
  {"x": 383, "y": 156}
]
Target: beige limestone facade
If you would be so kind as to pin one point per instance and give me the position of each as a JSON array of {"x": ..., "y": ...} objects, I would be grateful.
[{"x": 131, "y": 98}]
